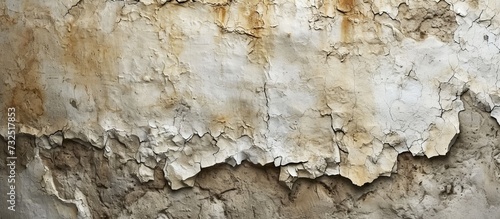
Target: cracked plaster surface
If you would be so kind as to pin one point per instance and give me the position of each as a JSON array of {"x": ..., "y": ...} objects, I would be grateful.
[{"x": 314, "y": 87}]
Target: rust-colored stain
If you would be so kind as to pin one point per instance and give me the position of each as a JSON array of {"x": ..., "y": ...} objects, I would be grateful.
[
  {"x": 255, "y": 20},
  {"x": 240, "y": 119},
  {"x": 348, "y": 7},
  {"x": 27, "y": 96},
  {"x": 91, "y": 59},
  {"x": 345, "y": 5},
  {"x": 221, "y": 12},
  {"x": 91, "y": 54},
  {"x": 249, "y": 18},
  {"x": 258, "y": 25},
  {"x": 345, "y": 29},
  {"x": 328, "y": 8}
]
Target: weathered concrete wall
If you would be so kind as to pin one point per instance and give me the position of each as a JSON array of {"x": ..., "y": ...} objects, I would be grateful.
[{"x": 155, "y": 90}]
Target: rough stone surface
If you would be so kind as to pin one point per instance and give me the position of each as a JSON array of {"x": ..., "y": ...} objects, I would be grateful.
[{"x": 124, "y": 98}]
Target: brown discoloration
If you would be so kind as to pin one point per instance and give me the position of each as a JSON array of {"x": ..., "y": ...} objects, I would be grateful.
[
  {"x": 473, "y": 3},
  {"x": 255, "y": 20},
  {"x": 6, "y": 21},
  {"x": 345, "y": 5},
  {"x": 243, "y": 116},
  {"x": 91, "y": 55},
  {"x": 91, "y": 59},
  {"x": 256, "y": 25},
  {"x": 27, "y": 95},
  {"x": 346, "y": 26},
  {"x": 221, "y": 15},
  {"x": 328, "y": 8},
  {"x": 251, "y": 22}
]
